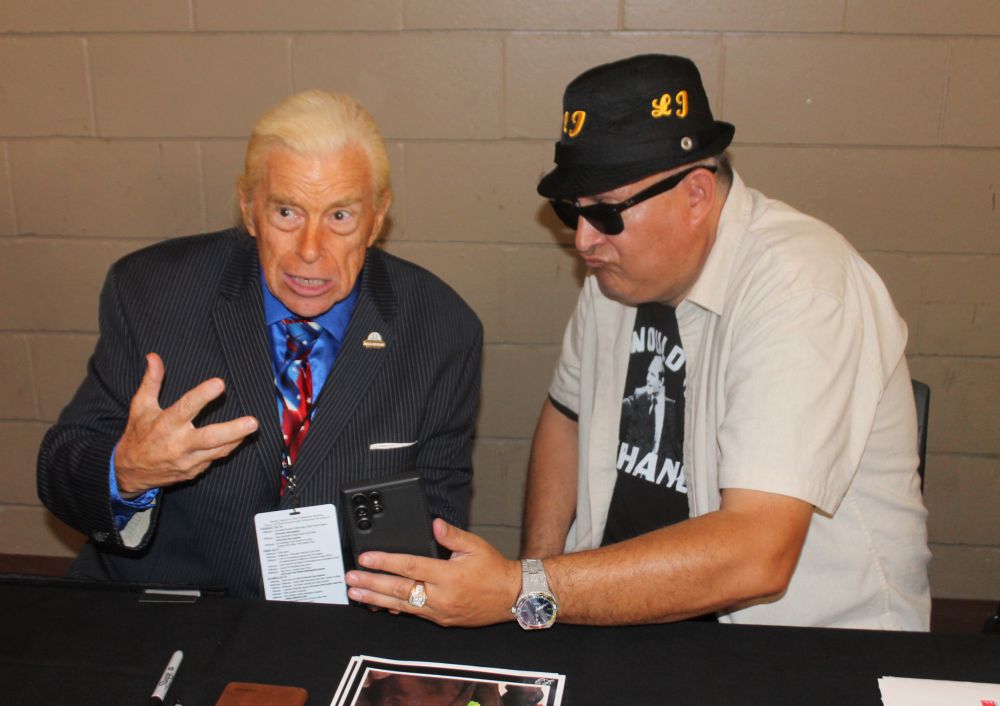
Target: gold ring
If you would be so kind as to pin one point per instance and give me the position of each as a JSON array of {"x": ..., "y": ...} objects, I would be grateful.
[{"x": 418, "y": 595}]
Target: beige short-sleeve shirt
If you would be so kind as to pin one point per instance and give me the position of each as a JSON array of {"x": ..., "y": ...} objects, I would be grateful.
[{"x": 797, "y": 384}]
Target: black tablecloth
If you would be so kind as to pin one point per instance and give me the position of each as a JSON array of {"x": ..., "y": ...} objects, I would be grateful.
[{"x": 81, "y": 645}]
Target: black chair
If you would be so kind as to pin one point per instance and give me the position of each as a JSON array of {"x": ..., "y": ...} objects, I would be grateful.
[
  {"x": 992, "y": 624},
  {"x": 922, "y": 396}
]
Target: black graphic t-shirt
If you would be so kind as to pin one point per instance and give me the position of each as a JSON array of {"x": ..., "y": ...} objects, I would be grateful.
[{"x": 650, "y": 491}]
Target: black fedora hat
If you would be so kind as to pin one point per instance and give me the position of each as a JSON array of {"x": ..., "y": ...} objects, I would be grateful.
[{"x": 631, "y": 118}]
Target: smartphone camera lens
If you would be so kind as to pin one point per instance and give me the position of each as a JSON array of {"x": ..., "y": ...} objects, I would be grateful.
[
  {"x": 358, "y": 499},
  {"x": 362, "y": 517}
]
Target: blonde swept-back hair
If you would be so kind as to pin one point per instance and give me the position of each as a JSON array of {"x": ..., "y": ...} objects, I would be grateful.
[{"x": 314, "y": 123}]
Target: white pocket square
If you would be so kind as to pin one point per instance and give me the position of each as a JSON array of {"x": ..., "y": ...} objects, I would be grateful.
[{"x": 386, "y": 445}]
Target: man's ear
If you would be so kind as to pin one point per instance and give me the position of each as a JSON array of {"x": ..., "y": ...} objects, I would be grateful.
[
  {"x": 701, "y": 189},
  {"x": 246, "y": 210}
]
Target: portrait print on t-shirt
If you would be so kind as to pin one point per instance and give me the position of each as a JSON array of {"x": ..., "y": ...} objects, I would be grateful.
[{"x": 650, "y": 490}]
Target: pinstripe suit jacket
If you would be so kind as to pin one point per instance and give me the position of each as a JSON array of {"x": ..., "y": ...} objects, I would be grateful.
[{"x": 197, "y": 302}]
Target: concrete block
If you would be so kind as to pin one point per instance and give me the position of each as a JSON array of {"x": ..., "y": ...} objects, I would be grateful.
[
  {"x": 504, "y": 285},
  {"x": 191, "y": 85},
  {"x": 927, "y": 17},
  {"x": 489, "y": 491},
  {"x": 51, "y": 284},
  {"x": 103, "y": 16},
  {"x": 515, "y": 383},
  {"x": 474, "y": 271},
  {"x": 972, "y": 108},
  {"x": 43, "y": 87},
  {"x": 221, "y": 164},
  {"x": 538, "y": 67},
  {"x": 18, "y": 400},
  {"x": 963, "y": 279},
  {"x": 835, "y": 89},
  {"x": 967, "y": 572},
  {"x": 961, "y": 494},
  {"x": 470, "y": 270},
  {"x": 229, "y": 15},
  {"x": 480, "y": 192},
  {"x": 107, "y": 189},
  {"x": 534, "y": 275},
  {"x": 415, "y": 84},
  {"x": 63, "y": 358},
  {"x": 498, "y": 487},
  {"x": 34, "y": 530},
  {"x": 744, "y": 16},
  {"x": 906, "y": 200},
  {"x": 7, "y": 220},
  {"x": 510, "y": 14},
  {"x": 518, "y": 453},
  {"x": 960, "y": 329},
  {"x": 964, "y": 403},
  {"x": 20, "y": 442}
]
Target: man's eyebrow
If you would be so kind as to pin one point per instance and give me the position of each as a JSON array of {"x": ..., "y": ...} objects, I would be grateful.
[
  {"x": 281, "y": 198},
  {"x": 349, "y": 200}
]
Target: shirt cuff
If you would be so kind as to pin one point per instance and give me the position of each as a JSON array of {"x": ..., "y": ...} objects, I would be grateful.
[
  {"x": 124, "y": 508},
  {"x": 566, "y": 411}
]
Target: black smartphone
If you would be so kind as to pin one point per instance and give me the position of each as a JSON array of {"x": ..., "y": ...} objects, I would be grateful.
[{"x": 389, "y": 515}]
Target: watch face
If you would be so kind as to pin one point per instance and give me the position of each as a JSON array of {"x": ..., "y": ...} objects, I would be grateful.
[{"x": 536, "y": 610}]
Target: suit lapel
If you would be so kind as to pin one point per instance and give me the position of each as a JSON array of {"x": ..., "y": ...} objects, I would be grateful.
[
  {"x": 238, "y": 318},
  {"x": 356, "y": 366}
]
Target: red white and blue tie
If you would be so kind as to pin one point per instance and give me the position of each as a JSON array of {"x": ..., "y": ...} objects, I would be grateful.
[{"x": 294, "y": 383}]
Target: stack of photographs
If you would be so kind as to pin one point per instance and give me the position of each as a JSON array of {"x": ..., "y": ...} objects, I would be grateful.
[{"x": 370, "y": 681}]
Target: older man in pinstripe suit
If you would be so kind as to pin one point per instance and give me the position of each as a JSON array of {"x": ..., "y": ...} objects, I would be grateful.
[{"x": 179, "y": 434}]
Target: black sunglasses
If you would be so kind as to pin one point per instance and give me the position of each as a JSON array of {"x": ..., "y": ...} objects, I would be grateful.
[{"x": 607, "y": 217}]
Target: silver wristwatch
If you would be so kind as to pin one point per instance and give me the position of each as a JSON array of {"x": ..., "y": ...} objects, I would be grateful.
[{"x": 536, "y": 608}]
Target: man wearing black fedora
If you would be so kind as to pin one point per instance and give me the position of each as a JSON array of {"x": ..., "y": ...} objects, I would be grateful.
[{"x": 782, "y": 488}]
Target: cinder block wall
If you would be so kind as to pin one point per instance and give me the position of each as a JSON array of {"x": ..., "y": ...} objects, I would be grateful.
[{"x": 122, "y": 123}]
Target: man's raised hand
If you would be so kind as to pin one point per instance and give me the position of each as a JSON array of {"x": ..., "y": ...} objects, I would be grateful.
[{"x": 162, "y": 447}]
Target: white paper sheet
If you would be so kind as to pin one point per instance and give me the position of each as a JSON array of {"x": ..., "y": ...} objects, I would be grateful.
[
  {"x": 898, "y": 691},
  {"x": 300, "y": 556}
]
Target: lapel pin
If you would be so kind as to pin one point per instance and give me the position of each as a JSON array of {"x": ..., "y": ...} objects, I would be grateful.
[{"x": 374, "y": 340}]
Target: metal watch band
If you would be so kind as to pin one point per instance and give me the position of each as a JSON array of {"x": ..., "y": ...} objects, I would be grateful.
[{"x": 533, "y": 578}]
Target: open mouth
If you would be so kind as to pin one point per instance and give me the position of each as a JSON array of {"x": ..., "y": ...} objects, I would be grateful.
[
  {"x": 307, "y": 286},
  {"x": 308, "y": 282}
]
